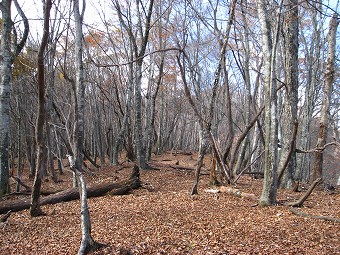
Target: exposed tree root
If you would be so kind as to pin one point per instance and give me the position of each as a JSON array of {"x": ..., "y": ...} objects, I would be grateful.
[
  {"x": 300, "y": 202},
  {"x": 319, "y": 217},
  {"x": 4, "y": 217}
]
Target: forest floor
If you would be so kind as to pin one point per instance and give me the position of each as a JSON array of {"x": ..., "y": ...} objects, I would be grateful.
[{"x": 163, "y": 218}]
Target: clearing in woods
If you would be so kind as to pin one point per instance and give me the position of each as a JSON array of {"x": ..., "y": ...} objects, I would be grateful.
[{"x": 162, "y": 218}]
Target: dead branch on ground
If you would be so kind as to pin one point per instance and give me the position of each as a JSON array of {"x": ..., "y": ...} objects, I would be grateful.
[
  {"x": 300, "y": 202},
  {"x": 4, "y": 217},
  {"x": 320, "y": 217}
]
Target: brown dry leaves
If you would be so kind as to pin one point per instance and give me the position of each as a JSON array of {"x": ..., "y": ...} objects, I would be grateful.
[{"x": 170, "y": 221}]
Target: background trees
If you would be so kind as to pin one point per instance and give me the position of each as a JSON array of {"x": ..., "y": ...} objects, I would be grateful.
[{"x": 142, "y": 59}]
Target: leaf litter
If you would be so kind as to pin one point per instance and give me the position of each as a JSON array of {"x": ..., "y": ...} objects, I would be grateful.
[{"x": 163, "y": 218}]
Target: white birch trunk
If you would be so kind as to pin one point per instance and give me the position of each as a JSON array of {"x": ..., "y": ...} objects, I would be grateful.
[{"x": 5, "y": 76}]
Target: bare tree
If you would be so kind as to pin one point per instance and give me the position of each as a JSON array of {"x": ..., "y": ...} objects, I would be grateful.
[
  {"x": 139, "y": 45},
  {"x": 312, "y": 46}
]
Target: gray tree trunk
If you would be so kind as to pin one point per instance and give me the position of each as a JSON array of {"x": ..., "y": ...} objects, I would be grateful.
[
  {"x": 6, "y": 60},
  {"x": 76, "y": 163},
  {"x": 269, "y": 190},
  {"x": 327, "y": 93},
  {"x": 78, "y": 129},
  {"x": 291, "y": 43},
  {"x": 5, "y": 76}
]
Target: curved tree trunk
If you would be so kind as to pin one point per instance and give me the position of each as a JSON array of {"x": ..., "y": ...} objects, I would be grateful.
[{"x": 40, "y": 137}]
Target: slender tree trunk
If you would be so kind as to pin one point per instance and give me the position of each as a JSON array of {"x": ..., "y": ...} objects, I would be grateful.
[
  {"x": 247, "y": 82},
  {"x": 40, "y": 137},
  {"x": 327, "y": 93},
  {"x": 139, "y": 140},
  {"x": 78, "y": 129},
  {"x": 76, "y": 162},
  {"x": 17, "y": 189},
  {"x": 203, "y": 146},
  {"x": 139, "y": 53}
]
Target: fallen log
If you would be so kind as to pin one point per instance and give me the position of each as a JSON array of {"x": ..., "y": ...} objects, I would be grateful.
[
  {"x": 119, "y": 188},
  {"x": 177, "y": 167},
  {"x": 232, "y": 191},
  {"x": 180, "y": 152}
]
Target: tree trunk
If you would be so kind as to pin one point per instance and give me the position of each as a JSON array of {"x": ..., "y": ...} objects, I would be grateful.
[
  {"x": 6, "y": 61},
  {"x": 39, "y": 133},
  {"x": 5, "y": 76},
  {"x": 247, "y": 97},
  {"x": 291, "y": 100},
  {"x": 201, "y": 153},
  {"x": 327, "y": 93},
  {"x": 269, "y": 190},
  {"x": 102, "y": 189}
]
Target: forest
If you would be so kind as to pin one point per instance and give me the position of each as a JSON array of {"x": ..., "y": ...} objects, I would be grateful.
[{"x": 169, "y": 127}]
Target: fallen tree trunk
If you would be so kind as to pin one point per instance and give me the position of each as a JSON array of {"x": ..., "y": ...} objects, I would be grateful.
[
  {"x": 233, "y": 191},
  {"x": 119, "y": 188}
]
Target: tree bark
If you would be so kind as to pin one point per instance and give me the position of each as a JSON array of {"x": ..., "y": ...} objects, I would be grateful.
[
  {"x": 5, "y": 77},
  {"x": 269, "y": 190},
  {"x": 291, "y": 32},
  {"x": 78, "y": 129}
]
